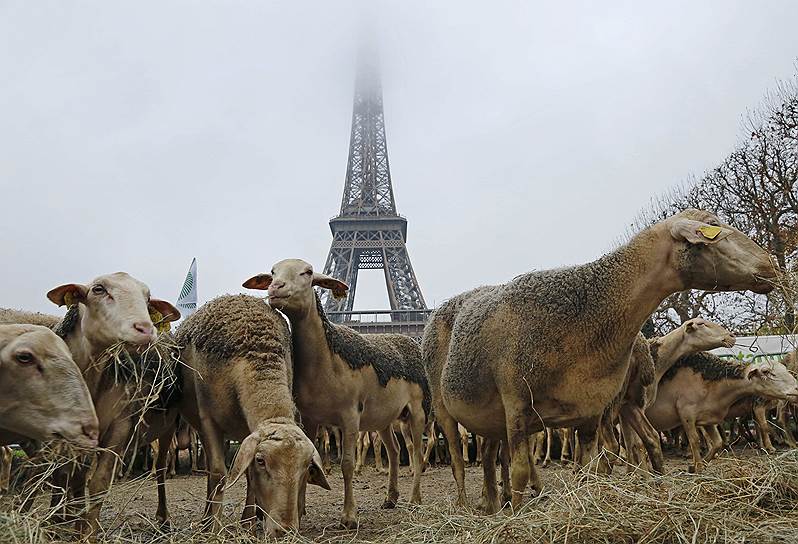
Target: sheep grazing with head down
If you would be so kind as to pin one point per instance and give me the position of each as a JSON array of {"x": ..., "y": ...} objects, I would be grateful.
[
  {"x": 356, "y": 382},
  {"x": 553, "y": 347},
  {"x": 241, "y": 349}
]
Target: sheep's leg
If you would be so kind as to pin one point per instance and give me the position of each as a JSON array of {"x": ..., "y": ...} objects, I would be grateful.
[
  {"x": 693, "y": 438},
  {"x": 588, "y": 439},
  {"x": 521, "y": 470},
  {"x": 376, "y": 443},
  {"x": 464, "y": 443},
  {"x": 415, "y": 445},
  {"x": 162, "y": 514},
  {"x": 568, "y": 438},
  {"x": 213, "y": 442},
  {"x": 349, "y": 439},
  {"x": 549, "y": 436},
  {"x": 325, "y": 450},
  {"x": 646, "y": 432},
  {"x": 781, "y": 414},
  {"x": 763, "y": 427},
  {"x": 449, "y": 426},
  {"x": 155, "y": 450},
  {"x": 504, "y": 457},
  {"x": 538, "y": 441},
  {"x": 392, "y": 448},
  {"x": 429, "y": 430},
  {"x": 104, "y": 473},
  {"x": 480, "y": 443},
  {"x": 714, "y": 442},
  {"x": 489, "y": 503},
  {"x": 609, "y": 441},
  {"x": 360, "y": 447},
  {"x": 173, "y": 458}
]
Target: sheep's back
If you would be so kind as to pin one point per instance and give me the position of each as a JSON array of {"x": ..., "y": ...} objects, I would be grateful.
[{"x": 234, "y": 326}]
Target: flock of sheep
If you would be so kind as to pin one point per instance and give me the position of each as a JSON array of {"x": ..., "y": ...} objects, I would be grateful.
[{"x": 509, "y": 363}]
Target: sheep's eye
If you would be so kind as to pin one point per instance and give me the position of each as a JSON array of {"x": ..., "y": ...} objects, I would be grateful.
[
  {"x": 307, "y": 273},
  {"x": 261, "y": 462},
  {"x": 98, "y": 290},
  {"x": 25, "y": 358}
]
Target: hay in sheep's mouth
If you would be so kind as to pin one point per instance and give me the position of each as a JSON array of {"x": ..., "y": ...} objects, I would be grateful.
[{"x": 150, "y": 377}]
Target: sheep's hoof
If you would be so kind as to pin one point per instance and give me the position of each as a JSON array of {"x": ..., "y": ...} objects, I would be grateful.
[
  {"x": 390, "y": 503},
  {"x": 487, "y": 506},
  {"x": 348, "y": 522},
  {"x": 165, "y": 526}
]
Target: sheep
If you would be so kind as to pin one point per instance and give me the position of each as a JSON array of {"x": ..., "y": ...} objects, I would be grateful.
[
  {"x": 553, "y": 347},
  {"x": 42, "y": 393},
  {"x": 242, "y": 350},
  {"x": 113, "y": 310},
  {"x": 357, "y": 382},
  {"x": 701, "y": 388}
]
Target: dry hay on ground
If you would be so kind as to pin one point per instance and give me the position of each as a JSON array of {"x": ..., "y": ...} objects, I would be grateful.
[{"x": 748, "y": 498}]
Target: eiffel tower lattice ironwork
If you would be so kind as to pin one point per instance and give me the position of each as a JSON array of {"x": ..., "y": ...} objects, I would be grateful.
[{"x": 369, "y": 233}]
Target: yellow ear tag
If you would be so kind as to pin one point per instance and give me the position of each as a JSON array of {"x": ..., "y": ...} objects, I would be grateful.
[
  {"x": 161, "y": 325},
  {"x": 69, "y": 299},
  {"x": 710, "y": 231}
]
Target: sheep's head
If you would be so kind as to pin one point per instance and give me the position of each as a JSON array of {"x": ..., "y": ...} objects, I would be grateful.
[
  {"x": 42, "y": 393},
  {"x": 714, "y": 256},
  {"x": 118, "y": 308},
  {"x": 772, "y": 380},
  {"x": 703, "y": 335},
  {"x": 290, "y": 285},
  {"x": 281, "y": 461}
]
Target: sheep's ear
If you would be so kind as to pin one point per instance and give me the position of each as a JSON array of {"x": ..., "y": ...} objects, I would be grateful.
[
  {"x": 754, "y": 373},
  {"x": 244, "y": 457},
  {"x": 168, "y": 312},
  {"x": 261, "y": 281},
  {"x": 316, "y": 473},
  {"x": 697, "y": 232},
  {"x": 690, "y": 327},
  {"x": 68, "y": 294},
  {"x": 339, "y": 289}
]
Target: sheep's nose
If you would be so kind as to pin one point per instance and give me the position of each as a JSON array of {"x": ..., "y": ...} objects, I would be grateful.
[{"x": 144, "y": 328}]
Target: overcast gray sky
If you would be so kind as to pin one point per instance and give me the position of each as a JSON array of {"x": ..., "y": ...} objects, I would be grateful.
[{"x": 521, "y": 135}]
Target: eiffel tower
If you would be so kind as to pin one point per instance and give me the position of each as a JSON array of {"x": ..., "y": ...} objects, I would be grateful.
[{"x": 368, "y": 233}]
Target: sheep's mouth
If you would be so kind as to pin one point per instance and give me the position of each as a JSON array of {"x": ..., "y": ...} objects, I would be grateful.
[
  {"x": 278, "y": 299},
  {"x": 729, "y": 342}
]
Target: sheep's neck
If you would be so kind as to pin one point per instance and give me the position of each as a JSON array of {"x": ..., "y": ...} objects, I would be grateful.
[
  {"x": 728, "y": 391},
  {"x": 309, "y": 342},
  {"x": 85, "y": 356},
  {"x": 671, "y": 348},
  {"x": 638, "y": 277}
]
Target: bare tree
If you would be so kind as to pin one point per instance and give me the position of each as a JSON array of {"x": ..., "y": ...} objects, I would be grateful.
[{"x": 755, "y": 188}]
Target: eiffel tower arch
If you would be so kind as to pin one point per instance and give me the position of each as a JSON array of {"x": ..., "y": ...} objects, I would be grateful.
[{"x": 368, "y": 233}]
